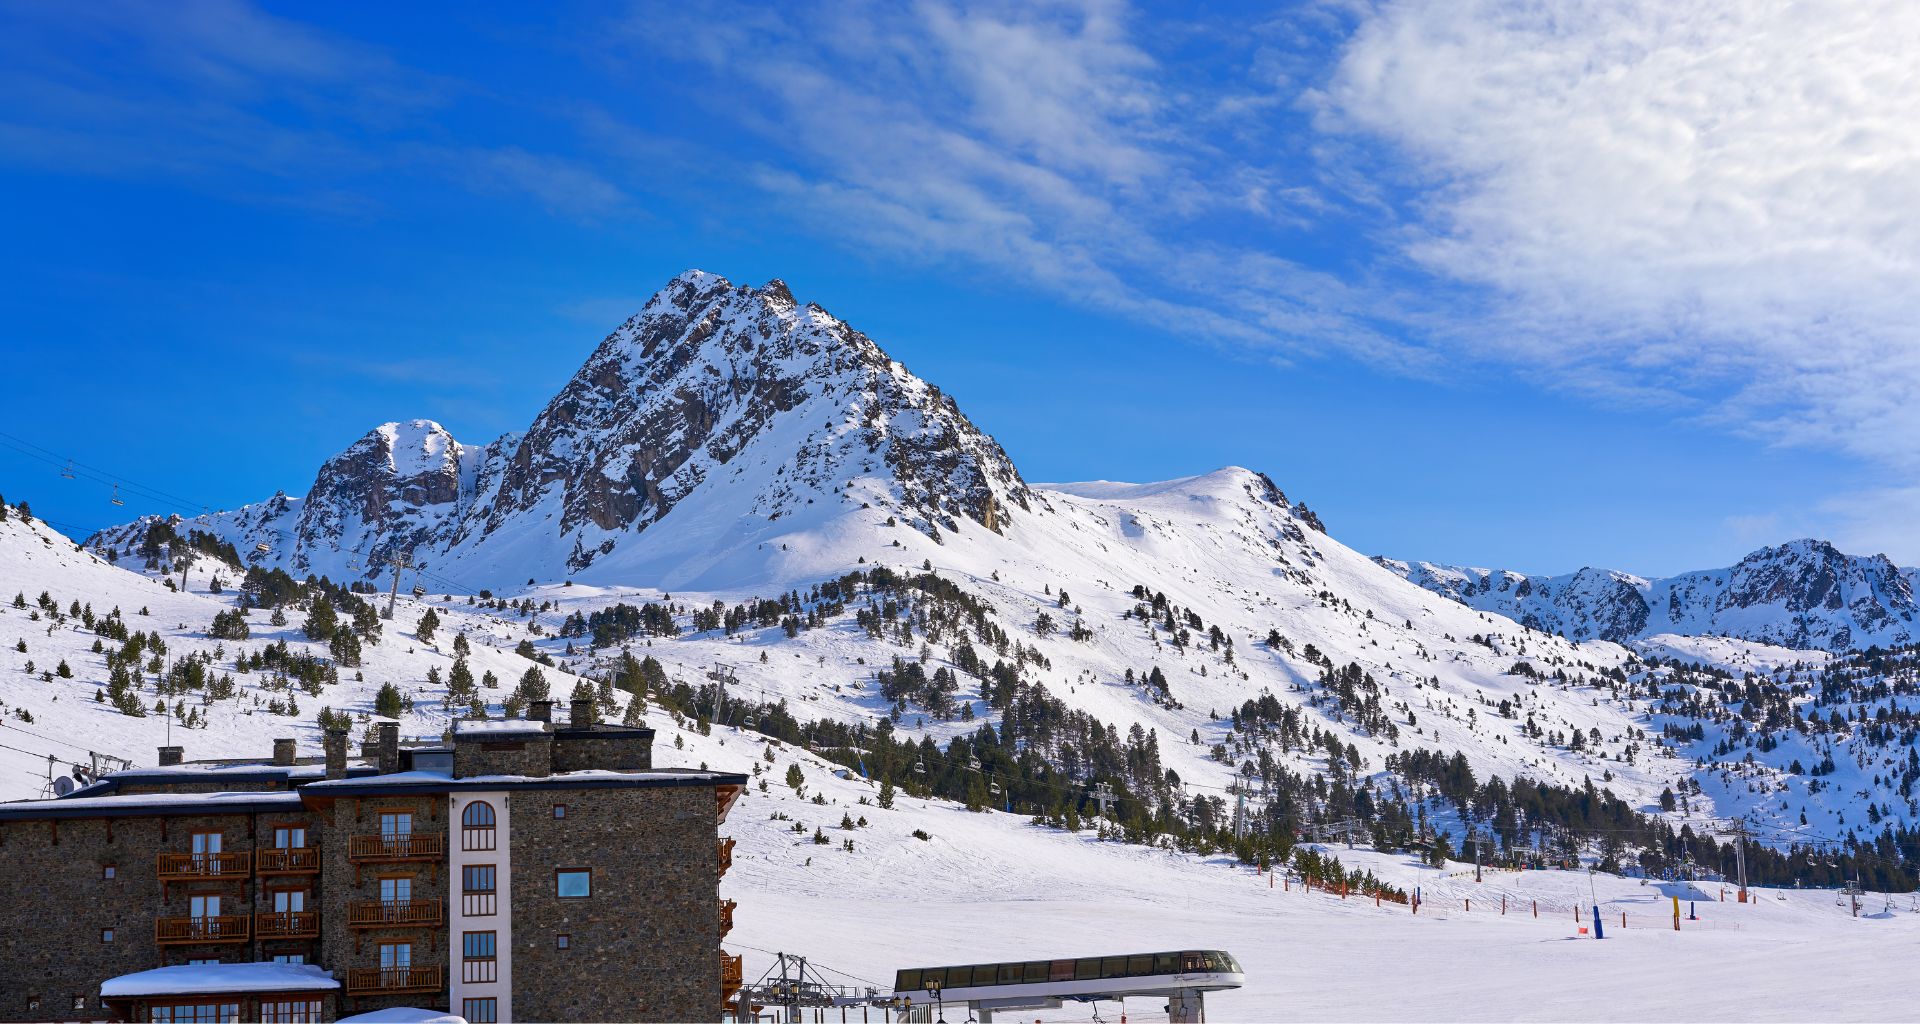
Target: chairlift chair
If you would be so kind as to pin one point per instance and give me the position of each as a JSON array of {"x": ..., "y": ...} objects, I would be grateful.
[
  {"x": 68, "y": 472},
  {"x": 919, "y": 767},
  {"x": 973, "y": 763},
  {"x": 116, "y": 496},
  {"x": 419, "y": 591}
]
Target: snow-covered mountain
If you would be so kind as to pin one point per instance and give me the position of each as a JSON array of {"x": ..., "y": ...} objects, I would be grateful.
[
  {"x": 745, "y": 468},
  {"x": 1806, "y": 594},
  {"x": 716, "y": 417}
]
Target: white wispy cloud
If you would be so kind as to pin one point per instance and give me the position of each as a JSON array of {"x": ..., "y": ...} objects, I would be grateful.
[
  {"x": 1707, "y": 197},
  {"x": 1701, "y": 206}
]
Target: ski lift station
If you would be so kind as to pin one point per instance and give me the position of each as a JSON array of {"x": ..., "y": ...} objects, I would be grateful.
[{"x": 1182, "y": 978}]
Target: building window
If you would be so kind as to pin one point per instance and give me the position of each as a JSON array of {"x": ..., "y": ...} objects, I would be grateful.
[
  {"x": 477, "y": 826},
  {"x": 203, "y": 961},
  {"x": 290, "y": 1011},
  {"x": 107, "y": 872},
  {"x": 396, "y": 824},
  {"x": 396, "y": 889},
  {"x": 33, "y": 1004},
  {"x": 290, "y": 958},
  {"x": 106, "y": 935},
  {"x": 79, "y": 1002},
  {"x": 289, "y": 837},
  {"x": 573, "y": 883},
  {"x": 477, "y": 894},
  {"x": 563, "y": 942},
  {"x": 559, "y": 810},
  {"x": 477, "y": 963},
  {"x": 480, "y": 1011},
  {"x": 194, "y": 1013}
]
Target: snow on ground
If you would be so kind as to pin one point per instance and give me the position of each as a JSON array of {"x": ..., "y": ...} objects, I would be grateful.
[{"x": 990, "y": 887}]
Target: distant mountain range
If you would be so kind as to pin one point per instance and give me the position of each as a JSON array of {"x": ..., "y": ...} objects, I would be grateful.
[
  {"x": 1805, "y": 594},
  {"x": 715, "y": 438}
]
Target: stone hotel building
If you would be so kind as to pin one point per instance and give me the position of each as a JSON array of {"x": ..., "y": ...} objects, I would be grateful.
[{"x": 518, "y": 870}]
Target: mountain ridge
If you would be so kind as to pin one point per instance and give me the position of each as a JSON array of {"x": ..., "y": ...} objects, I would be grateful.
[{"x": 1805, "y": 593}]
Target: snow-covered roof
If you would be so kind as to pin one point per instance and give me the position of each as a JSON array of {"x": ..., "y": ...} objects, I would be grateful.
[
  {"x": 190, "y": 803},
  {"x": 293, "y": 771},
  {"x": 498, "y": 727},
  {"x": 209, "y": 979},
  {"x": 558, "y": 780},
  {"x": 404, "y": 1015}
]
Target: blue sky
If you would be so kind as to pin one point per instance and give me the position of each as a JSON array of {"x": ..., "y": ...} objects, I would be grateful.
[{"x": 1478, "y": 283}]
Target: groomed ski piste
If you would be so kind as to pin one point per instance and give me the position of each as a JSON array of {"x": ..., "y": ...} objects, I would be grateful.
[{"x": 992, "y": 887}]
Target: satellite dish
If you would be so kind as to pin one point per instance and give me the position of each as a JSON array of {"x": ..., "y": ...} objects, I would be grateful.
[{"x": 62, "y": 786}]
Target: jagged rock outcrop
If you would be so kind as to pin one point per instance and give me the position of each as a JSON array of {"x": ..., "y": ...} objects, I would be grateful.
[{"x": 774, "y": 408}]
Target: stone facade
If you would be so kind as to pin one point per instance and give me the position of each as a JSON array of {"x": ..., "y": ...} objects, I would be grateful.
[
  {"x": 345, "y": 947},
  {"x": 604, "y": 748},
  {"x": 520, "y": 753},
  {"x": 645, "y": 945},
  {"x": 653, "y": 918}
]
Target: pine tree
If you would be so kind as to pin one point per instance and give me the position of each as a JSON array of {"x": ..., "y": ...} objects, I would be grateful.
[
  {"x": 321, "y": 622},
  {"x": 428, "y": 624},
  {"x": 345, "y": 647},
  {"x": 388, "y": 703}
]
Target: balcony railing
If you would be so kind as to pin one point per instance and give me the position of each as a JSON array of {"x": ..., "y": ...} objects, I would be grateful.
[
  {"x": 175, "y": 931},
  {"x": 726, "y": 916},
  {"x": 290, "y": 860},
  {"x": 364, "y": 981},
  {"x": 733, "y": 974},
  {"x": 186, "y": 867},
  {"x": 287, "y": 924},
  {"x": 393, "y": 913},
  {"x": 384, "y": 847},
  {"x": 726, "y": 855}
]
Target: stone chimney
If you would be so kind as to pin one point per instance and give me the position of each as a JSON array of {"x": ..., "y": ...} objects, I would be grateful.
[
  {"x": 580, "y": 715},
  {"x": 336, "y": 746},
  {"x": 540, "y": 711},
  {"x": 386, "y": 746},
  {"x": 283, "y": 751},
  {"x": 172, "y": 755}
]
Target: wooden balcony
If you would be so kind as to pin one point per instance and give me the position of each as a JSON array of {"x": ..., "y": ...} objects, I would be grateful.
[
  {"x": 726, "y": 916},
  {"x": 382, "y": 981},
  {"x": 379, "y": 848},
  {"x": 292, "y": 860},
  {"x": 726, "y": 855},
  {"x": 396, "y": 914},
  {"x": 181, "y": 931},
  {"x": 194, "y": 867},
  {"x": 733, "y": 974},
  {"x": 287, "y": 924}
]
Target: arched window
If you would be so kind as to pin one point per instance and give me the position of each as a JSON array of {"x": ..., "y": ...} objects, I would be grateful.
[{"x": 476, "y": 826}]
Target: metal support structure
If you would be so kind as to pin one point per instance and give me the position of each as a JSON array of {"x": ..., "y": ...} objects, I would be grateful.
[{"x": 402, "y": 562}]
